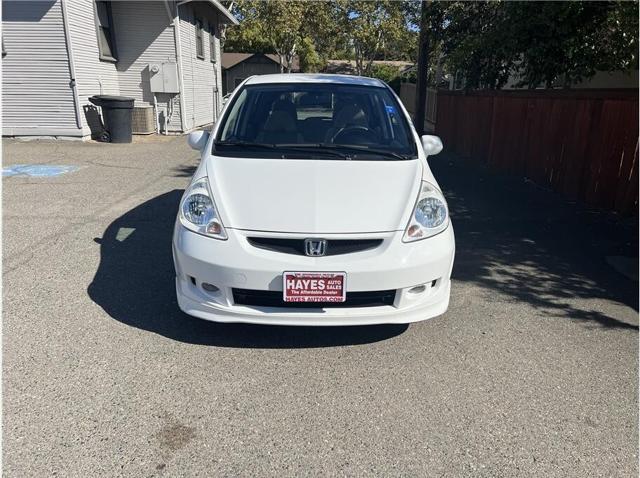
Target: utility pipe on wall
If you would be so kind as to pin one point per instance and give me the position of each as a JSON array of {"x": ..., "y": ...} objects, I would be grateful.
[
  {"x": 175, "y": 20},
  {"x": 156, "y": 113},
  {"x": 72, "y": 67}
]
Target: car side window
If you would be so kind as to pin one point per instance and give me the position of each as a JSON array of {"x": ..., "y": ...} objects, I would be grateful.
[{"x": 231, "y": 125}]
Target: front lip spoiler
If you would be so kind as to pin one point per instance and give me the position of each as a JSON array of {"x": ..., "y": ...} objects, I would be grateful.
[{"x": 326, "y": 317}]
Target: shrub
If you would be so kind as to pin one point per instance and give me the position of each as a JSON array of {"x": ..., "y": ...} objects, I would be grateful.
[{"x": 387, "y": 73}]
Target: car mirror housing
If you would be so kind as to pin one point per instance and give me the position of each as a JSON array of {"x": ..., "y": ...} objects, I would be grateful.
[
  {"x": 431, "y": 144},
  {"x": 198, "y": 139}
]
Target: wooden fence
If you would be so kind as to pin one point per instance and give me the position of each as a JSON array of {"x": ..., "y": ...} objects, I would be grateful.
[
  {"x": 408, "y": 97},
  {"x": 580, "y": 143}
]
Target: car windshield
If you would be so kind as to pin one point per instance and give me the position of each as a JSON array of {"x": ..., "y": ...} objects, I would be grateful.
[{"x": 319, "y": 121}]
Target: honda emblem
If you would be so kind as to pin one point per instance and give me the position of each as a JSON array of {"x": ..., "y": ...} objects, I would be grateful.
[{"x": 315, "y": 247}]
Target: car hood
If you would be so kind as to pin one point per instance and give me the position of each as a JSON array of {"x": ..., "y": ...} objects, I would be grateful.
[{"x": 314, "y": 196}]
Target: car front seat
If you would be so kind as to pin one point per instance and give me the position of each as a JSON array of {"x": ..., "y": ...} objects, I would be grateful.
[
  {"x": 279, "y": 127},
  {"x": 349, "y": 115}
]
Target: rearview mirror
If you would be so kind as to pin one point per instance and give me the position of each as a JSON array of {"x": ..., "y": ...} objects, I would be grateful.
[
  {"x": 431, "y": 144},
  {"x": 198, "y": 139}
]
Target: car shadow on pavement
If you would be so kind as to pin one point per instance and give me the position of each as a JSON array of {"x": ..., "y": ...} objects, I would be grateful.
[
  {"x": 135, "y": 285},
  {"x": 525, "y": 244},
  {"x": 184, "y": 170}
]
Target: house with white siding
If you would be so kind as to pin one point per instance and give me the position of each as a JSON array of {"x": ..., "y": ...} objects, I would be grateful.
[{"x": 56, "y": 54}]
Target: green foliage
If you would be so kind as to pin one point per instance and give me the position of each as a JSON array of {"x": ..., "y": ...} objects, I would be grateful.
[
  {"x": 323, "y": 31},
  {"x": 248, "y": 36},
  {"x": 370, "y": 25},
  {"x": 310, "y": 61},
  {"x": 486, "y": 42},
  {"x": 542, "y": 43},
  {"x": 383, "y": 72},
  {"x": 474, "y": 42},
  {"x": 582, "y": 37},
  {"x": 389, "y": 74},
  {"x": 275, "y": 26},
  {"x": 318, "y": 31}
]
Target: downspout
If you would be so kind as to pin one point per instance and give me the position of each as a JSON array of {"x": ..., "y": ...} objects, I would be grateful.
[
  {"x": 175, "y": 20},
  {"x": 72, "y": 66},
  {"x": 156, "y": 113},
  {"x": 215, "y": 95}
]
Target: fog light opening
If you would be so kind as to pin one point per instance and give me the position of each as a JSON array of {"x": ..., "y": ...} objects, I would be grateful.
[
  {"x": 417, "y": 289},
  {"x": 434, "y": 282},
  {"x": 193, "y": 280},
  {"x": 209, "y": 287}
]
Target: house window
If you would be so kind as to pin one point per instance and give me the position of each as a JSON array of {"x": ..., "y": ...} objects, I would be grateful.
[
  {"x": 212, "y": 43},
  {"x": 199, "y": 40},
  {"x": 104, "y": 29}
]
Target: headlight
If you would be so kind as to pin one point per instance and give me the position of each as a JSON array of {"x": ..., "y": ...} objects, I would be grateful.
[
  {"x": 198, "y": 212},
  {"x": 430, "y": 215}
]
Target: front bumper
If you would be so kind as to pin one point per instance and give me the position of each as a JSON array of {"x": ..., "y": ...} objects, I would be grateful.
[{"x": 235, "y": 263}]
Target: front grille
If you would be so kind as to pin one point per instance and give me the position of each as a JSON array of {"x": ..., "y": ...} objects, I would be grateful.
[
  {"x": 296, "y": 246},
  {"x": 272, "y": 298}
]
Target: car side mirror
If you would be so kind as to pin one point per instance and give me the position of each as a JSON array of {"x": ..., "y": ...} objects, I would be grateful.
[
  {"x": 431, "y": 144},
  {"x": 198, "y": 139}
]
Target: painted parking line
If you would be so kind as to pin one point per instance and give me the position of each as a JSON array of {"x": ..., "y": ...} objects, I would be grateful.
[{"x": 37, "y": 170}]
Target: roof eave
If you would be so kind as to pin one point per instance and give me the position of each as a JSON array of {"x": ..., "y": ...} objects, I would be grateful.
[{"x": 218, "y": 6}]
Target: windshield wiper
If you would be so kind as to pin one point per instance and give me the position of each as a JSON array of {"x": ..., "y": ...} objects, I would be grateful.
[
  {"x": 245, "y": 144},
  {"x": 316, "y": 148},
  {"x": 330, "y": 149},
  {"x": 287, "y": 147},
  {"x": 366, "y": 149}
]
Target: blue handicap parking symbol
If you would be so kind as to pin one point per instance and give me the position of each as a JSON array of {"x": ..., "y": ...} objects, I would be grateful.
[{"x": 37, "y": 170}]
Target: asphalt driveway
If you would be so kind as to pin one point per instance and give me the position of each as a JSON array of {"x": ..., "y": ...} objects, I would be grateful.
[{"x": 533, "y": 371}]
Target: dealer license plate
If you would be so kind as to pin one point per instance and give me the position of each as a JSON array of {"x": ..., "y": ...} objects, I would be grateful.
[{"x": 314, "y": 286}]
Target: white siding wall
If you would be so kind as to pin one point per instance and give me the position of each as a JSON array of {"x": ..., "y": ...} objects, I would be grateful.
[
  {"x": 37, "y": 94},
  {"x": 37, "y": 97},
  {"x": 145, "y": 35},
  {"x": 200, "y": 75},
  {"x": 93, "y": 76}
]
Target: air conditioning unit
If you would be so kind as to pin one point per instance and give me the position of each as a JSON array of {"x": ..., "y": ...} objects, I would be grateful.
[{"x": 143, "y": 120}]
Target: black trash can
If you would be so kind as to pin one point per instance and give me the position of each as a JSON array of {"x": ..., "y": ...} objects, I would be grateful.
[{"x": 116, "y": 114}]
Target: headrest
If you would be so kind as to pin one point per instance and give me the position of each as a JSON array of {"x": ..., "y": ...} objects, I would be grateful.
[
  {"x": 280, "y": 121},
  {"x": 350, "y": 115},
  {"x": 286, "y": 106}
]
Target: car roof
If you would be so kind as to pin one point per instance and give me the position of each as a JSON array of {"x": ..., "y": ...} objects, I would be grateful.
[{"x": 314, "y": 78}]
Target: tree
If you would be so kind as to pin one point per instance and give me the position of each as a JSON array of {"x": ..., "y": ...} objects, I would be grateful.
[
  {"x": 369, "y": 26},
  {"x": 310, "y": 61},
  {"x": 478, "y": 42},
  {"x": 540, "y": 43},
  {"x": 283, "y": 26},
  {"x": 269, "y": 26},
  {"x": 287, "y": 28},
  {"x": 248, "y": 36},
  {"x": 567, "y": 42},
  {"x": 320, "y": 30}
]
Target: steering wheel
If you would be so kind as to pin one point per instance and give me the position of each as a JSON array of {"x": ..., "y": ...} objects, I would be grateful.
[{"x": 354, "y": 135}]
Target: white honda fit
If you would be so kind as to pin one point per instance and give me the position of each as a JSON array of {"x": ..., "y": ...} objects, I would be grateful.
[{"x": 313, "y": 204}]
